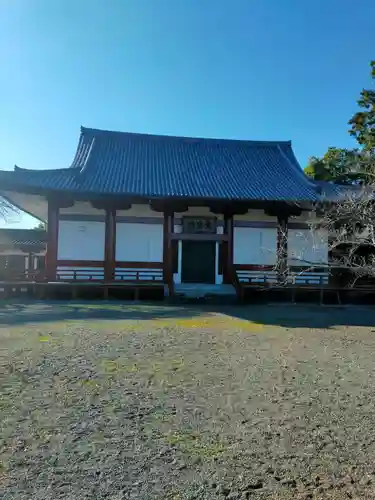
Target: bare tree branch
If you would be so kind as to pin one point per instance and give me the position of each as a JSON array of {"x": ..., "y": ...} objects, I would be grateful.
[
  {"x": 340, "y": 239},
  {"x": 350, "y": 223},
  {"x": 7, "y": 210}
]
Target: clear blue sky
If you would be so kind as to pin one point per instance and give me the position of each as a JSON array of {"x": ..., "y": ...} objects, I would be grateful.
[{"x": 251, "y": 69}]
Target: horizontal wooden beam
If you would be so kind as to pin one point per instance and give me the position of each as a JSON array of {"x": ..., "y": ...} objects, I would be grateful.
[
  {"x": 168, "y": 207},
  {"x": 281, "y": 209},
  {"x": 229, "y": 210},
  {"x": 111, "y": 205},
  {"x": 253, "y": 267},
  {"x": 11, "y": 248},
  {"x": 140, "y": 265},
  {"x": 198, "y": 236},
  {"x": 318, "y": 268},
  {"x": 80, "y": 263},
  {"x": 100, "y": 263},
  {"x": 294, "y": 269},
  {"x": 134, "y": 219}
]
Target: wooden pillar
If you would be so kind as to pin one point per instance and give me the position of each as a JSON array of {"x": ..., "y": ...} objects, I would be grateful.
[
  {"x": 29, "y": 265},
  {"x": 228, "y": 249},
  {"x": 110, "y": 245},
  {"x": 282, "y": 248},
  {"x": 52, "y": 240},
  {"x": 168, "y": 227}
]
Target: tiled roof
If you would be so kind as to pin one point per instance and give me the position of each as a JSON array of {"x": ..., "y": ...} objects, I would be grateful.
[
  {"x": 329, "y": 191},
  {"x": 56, "y": 179},
  {"x": 22, "y": 237},
  {"x": 127, "y": 164}
]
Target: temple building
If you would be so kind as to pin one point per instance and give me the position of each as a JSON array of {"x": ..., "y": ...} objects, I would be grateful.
[{"x": 148, "y": 210}]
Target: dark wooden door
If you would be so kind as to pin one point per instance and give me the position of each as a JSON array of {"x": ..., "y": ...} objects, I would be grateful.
[{"x": 198, "y": 262}]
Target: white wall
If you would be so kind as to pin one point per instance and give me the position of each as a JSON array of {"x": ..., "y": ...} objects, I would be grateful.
[
  {"x": 258, "y": 246},
  {"x": 81, "y": 240},
  {"x": 139, "y": 242},
  {"x": 254, "y": 246},
  {"x": 306, "y": 247},
  {"x": 259, "y": 215}
]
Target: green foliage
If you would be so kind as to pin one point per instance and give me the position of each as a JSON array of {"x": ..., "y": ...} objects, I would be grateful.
[
  {"x": 363, "y": 122},
  {"x": 357, "y": 165},
  {"x": 338, "y": 164}
]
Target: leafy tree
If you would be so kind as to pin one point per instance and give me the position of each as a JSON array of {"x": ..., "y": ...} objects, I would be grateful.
[
  {"x": 338, "y": 164},
  {"x": 357, "y": 165},
  {"x": 350, "y": 221},
  {"x": 363, "y": 122}
]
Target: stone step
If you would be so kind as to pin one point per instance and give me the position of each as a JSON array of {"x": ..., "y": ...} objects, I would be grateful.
[{"x": 202, "y": 290}]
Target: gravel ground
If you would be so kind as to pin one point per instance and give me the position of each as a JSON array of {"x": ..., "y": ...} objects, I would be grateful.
[{"x": 114, "y": 401}]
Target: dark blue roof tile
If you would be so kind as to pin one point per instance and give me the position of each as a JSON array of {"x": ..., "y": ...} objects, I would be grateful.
[{"x": 329, "y": 191}]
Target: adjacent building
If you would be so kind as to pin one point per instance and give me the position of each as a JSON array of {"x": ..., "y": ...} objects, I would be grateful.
[{"x": 22, "y": 252}]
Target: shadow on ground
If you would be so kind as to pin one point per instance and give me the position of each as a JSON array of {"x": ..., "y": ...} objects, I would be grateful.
[{"x": 285, "y": 315}]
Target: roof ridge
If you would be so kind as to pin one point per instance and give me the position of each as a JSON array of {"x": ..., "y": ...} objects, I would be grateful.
[
  {"x": 297, "y": 166},
  {"x": 96, "y": 131}
]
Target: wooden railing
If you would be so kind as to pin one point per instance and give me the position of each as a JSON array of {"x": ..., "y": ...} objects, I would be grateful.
[
  {"x": 140, "y": 272},
  {"x": 308, "y": 276},
  {"x": 267, "y": 276},
  {"x": 93, "y": 271},
  {"x": 81, "y": 274},
  {"x": 256, "y": 275},
  {"x": 24, "y": 275},
  {"x": 127, "y": 272},
  {"x": 141, "y": 275}
]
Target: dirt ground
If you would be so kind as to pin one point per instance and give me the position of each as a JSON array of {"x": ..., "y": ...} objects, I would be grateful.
[{"x": 125, "y": 401}]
